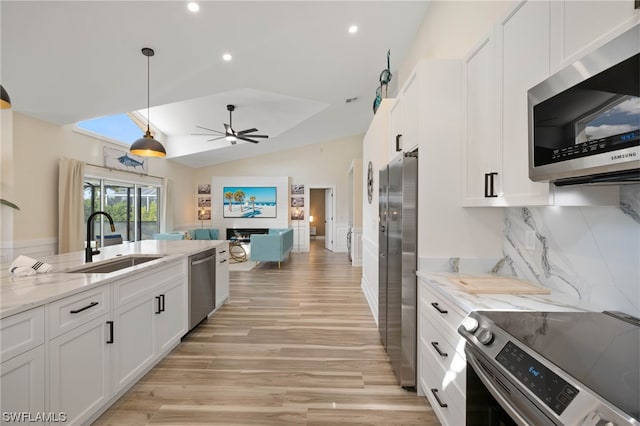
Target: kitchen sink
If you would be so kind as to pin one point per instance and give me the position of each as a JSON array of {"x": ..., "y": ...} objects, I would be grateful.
[{"x": 113, "y": 265}]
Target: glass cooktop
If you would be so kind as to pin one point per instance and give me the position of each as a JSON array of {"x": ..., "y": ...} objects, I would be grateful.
[{"x": 599, "y": 350}]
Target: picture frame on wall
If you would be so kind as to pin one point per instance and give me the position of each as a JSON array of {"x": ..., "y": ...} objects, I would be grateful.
[
  {"x": 204, "y": 188},
  {"x": 297, "y": 189},
  {"x": 297, "y": 214},
  {"x": 122, "y": 160},
  {"x": 204, "y": 201},
  {"x": 204, "y": 214},
  {"x": 297, "y": 201},
  {"x": 249, "y": 202}
]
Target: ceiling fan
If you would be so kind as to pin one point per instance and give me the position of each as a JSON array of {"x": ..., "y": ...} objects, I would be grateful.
[{"x": 229, "y": 133}]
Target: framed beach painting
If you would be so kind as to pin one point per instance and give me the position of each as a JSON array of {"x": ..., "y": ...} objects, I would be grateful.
[
  {"x": 123, "y": 160},
  {"x": 249, "y": 201}
]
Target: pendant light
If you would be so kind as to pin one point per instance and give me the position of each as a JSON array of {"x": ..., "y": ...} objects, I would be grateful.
[
  {"x": 5, "y": 101},
  {"x": 147, "y": 146}
]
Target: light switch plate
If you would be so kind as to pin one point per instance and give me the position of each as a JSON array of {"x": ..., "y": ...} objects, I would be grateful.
[{"x": 530, "y": 240}]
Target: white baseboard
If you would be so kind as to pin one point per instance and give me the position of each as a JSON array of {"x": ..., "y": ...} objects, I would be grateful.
[{"x": 372, "y": 299}]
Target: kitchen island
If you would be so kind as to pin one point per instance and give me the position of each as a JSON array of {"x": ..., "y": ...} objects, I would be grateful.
[{"x": 72, "y": 343}]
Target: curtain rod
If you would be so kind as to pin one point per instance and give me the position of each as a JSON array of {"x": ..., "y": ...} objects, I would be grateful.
[{"x": 124, "y": 171}]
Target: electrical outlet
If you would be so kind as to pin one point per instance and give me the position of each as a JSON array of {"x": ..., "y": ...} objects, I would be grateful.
[{"x": 530, "y": 240}]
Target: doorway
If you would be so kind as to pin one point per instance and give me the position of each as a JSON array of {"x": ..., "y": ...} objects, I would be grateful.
[{"x": 322, "y": 214}]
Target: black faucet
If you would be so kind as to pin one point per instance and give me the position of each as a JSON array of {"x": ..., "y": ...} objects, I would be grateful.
[{"x": 88, "y": 251}]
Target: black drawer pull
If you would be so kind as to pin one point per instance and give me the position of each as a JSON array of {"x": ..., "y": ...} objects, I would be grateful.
[
  {"x": 90, "y": 305},
  {"x": 489, "y": 190},
  {"x": 222, "y": 251},
  {"x": 437, "y": 307},
  {"x": 398, "y": 143},
  {"x": 162, "y": 303},
  {"x": 437, "y": 348},
  {"x": 158, "y": 310},
  {"x": 110, "y": 324},
  {"x": 223, "y": 260},
  {"x": 435, "y": 395}
]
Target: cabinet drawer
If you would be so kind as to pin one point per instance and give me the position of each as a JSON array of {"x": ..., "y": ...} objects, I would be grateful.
[
  {"x": 222, "y": 252},
  {"x": 449, "y": 357},
  {"x": 73, "y": 311},
  {"x": 445, "y": 397},
  {"x": 440, "y": 309},
  {"x": 21, "y": 332}
]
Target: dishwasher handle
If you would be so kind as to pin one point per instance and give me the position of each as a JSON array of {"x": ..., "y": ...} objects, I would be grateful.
[{"x": 199, "y": 261}]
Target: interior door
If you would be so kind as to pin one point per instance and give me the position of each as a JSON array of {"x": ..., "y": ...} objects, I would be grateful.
[{"x": 328, "y": 219}]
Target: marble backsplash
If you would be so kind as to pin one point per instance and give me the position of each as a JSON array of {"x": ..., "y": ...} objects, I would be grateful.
[{"x": 589, "y": 253}]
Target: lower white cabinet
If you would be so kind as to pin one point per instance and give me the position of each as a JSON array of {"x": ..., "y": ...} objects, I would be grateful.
[
  {"x": 172, "y": 316},
  {"x": 441, "y": 360},
  {"x": 79, "y": 371},
  {"x": 22, "y": 382},
  {"x": 134, "y": 340},
  {"x": 222, "y": 275}
]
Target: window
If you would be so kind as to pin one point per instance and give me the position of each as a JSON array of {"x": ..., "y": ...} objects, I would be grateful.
[
  {"x": 119, "y": 127},
  {"x": 133, "y": 205}
]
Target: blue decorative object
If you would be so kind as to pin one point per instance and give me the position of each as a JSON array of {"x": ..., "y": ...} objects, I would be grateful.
[{"x": 385, "y": 78}]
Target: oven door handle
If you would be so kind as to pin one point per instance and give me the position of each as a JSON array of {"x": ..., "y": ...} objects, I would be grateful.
[{"x": 495, "y": 391}]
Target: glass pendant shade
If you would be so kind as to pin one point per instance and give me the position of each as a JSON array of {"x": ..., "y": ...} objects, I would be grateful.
[
  {"x": 147, "y": 146},
  {"x": 5, "y": 101}
]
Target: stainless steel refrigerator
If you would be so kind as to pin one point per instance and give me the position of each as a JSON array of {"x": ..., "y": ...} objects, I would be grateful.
[{"x": 397, "y": 242}]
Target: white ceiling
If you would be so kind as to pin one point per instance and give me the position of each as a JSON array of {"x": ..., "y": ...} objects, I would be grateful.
[{"x": 294, "y": 65}]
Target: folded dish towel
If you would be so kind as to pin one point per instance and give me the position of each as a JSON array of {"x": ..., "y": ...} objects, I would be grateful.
[{"x": 24, "y": 266}]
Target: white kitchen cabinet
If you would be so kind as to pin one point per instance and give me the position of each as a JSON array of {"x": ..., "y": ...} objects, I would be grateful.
[
  {"x": 441, "y": 360},
  {"x": 172, "y": 324},
  {"x": 222, "y": 275},
  {"x": 523, "y": 40},
  {"x": 134, "y": 339},
  {"x": 513, "y": 57},
  {"x": 79, "y": 370},
  {"x": 404, "y": 118},
  {"x": 22, "y": 384},
  {"x": 481, "y": 150},
  {"x": 578, "y": 27}
]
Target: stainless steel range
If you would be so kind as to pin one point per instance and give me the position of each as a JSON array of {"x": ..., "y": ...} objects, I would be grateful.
[{"x": 557, "y": 368}]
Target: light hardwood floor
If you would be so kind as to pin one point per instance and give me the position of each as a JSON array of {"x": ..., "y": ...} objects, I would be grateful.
[{"x": 295, "y": 346}]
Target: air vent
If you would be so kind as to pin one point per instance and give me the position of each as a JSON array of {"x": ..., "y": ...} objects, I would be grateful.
[{"x": 350, "y": 100}]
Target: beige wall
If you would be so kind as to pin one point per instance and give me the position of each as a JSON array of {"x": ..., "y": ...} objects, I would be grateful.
[
  {"x": 320, "y": 164},
  {"x": 450, "y": 29},
  {"x": 37, "y": 148}
]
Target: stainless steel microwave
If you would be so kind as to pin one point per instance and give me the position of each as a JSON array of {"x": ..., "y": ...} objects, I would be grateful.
[{"x": 584, "y": 121}]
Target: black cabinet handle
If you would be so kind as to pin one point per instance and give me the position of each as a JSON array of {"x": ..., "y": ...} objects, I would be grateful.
[
  {"x": 90, "y": 305},
  {"x": 162, "y": 303},
  {"x": 435, "y": 395},
  {"x": 223, "y": 260},
  {"x": 489, "y": 187},
  {"x": 110, "y": 324},
  {"x": 158, "y": 310},
  {"x": 437, "y": 348},
  {"x": 437, "y": 308},
  {"x": 398, "y": 143}
]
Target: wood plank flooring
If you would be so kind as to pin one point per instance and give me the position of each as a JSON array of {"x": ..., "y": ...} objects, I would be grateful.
[{"x": 295, "y": 346}]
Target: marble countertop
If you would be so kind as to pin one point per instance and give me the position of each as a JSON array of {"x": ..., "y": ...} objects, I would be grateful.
[
  {"x": 466, "y": 302},
  {"x": 19, "y": 294}
]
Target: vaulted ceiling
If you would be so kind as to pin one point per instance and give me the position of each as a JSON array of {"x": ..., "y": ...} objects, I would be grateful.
[{"x": 294, "y": 66}]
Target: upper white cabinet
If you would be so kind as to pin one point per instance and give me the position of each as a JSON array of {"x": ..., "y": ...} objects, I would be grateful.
[
  {"x": 481, "y": 151},
  {"x": 523, "y": 40},
  {"x": 404, "y": 118},
  {"x": 578, "y": 27}
]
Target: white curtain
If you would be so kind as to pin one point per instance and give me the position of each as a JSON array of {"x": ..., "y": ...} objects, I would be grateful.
[
  {"x": 166, "y": 220},
  {"x": 70, "y": 205}
]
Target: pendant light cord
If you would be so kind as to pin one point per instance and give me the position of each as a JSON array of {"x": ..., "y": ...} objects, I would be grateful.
[{"x": 148, "y": 90}]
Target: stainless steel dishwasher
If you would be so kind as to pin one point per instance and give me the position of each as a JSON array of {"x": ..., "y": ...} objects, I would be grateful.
[{"x": 202, "y": 286}]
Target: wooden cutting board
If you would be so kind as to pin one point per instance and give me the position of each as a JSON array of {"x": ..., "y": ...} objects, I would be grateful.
[{"x": 497, "y": 285}]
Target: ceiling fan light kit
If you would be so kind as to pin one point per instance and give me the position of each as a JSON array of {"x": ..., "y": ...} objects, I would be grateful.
[
  {"x": 147, "y": 146},
  {"x": 229, "y": 133}
]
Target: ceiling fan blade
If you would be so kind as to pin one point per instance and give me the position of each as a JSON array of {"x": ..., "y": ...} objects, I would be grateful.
[
  {"x": 257, "y": 136},
  {"x": 215, "y": 139},
  {"x": 211, "y": 130},
  {"x": 244, "y": 132},
  {"x": 240, "y": 138}
]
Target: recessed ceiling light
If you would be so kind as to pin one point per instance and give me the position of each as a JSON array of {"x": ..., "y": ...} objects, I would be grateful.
[
  {"x": 193, "y": 6},
  {"x": 353, "y": 29},
  {"x": 227, "y": 57}
]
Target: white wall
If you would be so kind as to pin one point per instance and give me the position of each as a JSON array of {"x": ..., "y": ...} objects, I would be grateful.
[{"x": 319, "y": 165}]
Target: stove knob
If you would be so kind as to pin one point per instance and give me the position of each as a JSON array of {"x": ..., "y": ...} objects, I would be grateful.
[
  {"x": 485, "y": 336},
  {"x": 470, "y": 325}
]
